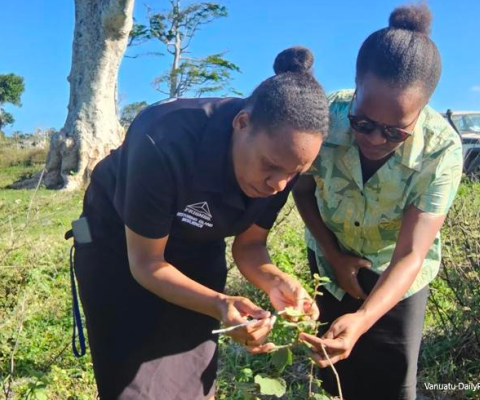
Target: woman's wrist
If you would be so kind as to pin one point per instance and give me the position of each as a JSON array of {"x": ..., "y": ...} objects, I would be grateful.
[
  {"x": 330, "y": 252},
  {"x": 275, "y": 279},
  {"x": 219, "y": 306},
  {"x": 367, "y": 320},
  {"x": 369, "y": 315},
  {"x": 333, "y": 257}
]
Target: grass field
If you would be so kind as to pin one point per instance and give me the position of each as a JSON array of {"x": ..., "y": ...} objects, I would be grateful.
[{"x": 36, "y": 361}]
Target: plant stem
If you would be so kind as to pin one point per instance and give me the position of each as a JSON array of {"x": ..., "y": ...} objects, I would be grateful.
[
  {"x": 310, "y": 380},
  {"x": 251, "y": 322},
  {"x": 334, "y": 371}
]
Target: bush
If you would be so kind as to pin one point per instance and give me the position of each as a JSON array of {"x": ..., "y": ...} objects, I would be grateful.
[
  {"x": 451, "y": 349},
  {"x": 11, "y": 156},
  {"x": 35, "y": 299}
]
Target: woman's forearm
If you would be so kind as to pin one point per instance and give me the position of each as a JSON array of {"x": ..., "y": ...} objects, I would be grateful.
[
  {"x": 390, "y": 288},
  {"x": 168, "y": 283},
  {"x": 304, "y": 195},
  {"x": 417, "y": 233},
  {"x": 254, "y": 263},
  {"x": 251, "y": 256}
]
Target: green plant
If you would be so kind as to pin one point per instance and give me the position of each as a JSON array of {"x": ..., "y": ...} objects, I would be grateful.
[{"x": 285, "y": 335}]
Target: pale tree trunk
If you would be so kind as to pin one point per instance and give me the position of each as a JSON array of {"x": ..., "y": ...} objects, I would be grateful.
[
  {"x": 92, "y": 128},
  {"x": 175, "y": 64},
  {"x": 176, "y": 55}
]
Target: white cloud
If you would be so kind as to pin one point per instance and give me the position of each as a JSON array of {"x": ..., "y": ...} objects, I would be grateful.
[{"x": 475, "y": 88}]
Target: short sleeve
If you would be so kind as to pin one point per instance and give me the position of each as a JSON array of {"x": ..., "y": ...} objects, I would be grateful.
[
  {"x": 439, "y": 186},
  {"x": 145, "y": 194},
  {"x": 268, "y": 217}
]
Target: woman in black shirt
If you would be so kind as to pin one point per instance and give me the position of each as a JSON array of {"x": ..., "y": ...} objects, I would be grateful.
[{"x": 190, "y": 173}]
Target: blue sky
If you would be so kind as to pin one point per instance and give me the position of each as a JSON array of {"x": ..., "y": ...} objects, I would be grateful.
[{"x": 40, "y": 36}]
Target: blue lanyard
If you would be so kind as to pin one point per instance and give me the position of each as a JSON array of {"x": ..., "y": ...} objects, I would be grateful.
[{"x": 77, "y": 319}]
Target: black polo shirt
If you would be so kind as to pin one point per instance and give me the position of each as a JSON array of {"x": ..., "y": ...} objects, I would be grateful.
[{"x": 173, "y": 175}]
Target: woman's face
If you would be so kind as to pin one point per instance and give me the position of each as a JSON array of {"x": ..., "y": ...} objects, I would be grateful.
[
  {"x": 265, "y": 163},
  {"x": 379, "y": 101}
]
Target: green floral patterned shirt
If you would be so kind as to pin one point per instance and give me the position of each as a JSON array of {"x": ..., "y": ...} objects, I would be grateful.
[{"x": 424, "y": 171}]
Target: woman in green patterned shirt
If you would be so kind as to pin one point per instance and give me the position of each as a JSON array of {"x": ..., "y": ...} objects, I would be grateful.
[{"x": 374, "y": 204}]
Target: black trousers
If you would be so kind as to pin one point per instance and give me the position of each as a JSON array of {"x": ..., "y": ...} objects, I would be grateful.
[
  {"x": 144, "y": 348},
  {"x": 383, "y": 363}
]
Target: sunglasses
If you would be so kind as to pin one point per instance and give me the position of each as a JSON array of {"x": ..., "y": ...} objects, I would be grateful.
[{"x": 366, "y": 126}]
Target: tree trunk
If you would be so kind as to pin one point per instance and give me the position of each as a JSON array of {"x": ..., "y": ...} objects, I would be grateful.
[
  {"x": 178, "y": 51},
  {"x": 92, "y": 128}
]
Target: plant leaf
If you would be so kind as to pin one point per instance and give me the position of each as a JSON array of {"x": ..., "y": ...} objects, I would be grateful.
[
  {"x": 271, "y": 386},
  {"x": 281, "y": 359},
  {"x": 291, "y": 312}
]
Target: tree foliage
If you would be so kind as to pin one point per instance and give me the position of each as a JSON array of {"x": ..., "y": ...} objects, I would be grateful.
[
  {"x": 130, "y": 111},
  {"x": 175, "y": 30},
  {"x": 11, "y": 89},
  {"x": 6, "y": 118}
]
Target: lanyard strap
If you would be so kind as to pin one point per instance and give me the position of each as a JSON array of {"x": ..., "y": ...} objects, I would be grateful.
[{"x": 77, "y": 319}]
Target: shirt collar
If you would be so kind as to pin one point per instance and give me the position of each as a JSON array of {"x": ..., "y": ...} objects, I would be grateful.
[
  {"x": 411, "y": 152},
  {"x": 340, "y": 133}
]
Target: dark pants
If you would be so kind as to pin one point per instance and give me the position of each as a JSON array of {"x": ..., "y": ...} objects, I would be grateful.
[
  {"x": 383, "y": 363},
  {"x": 144, "y": 348}
]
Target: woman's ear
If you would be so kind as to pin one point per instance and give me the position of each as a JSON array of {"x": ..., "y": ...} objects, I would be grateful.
[{"x": 242, "y": 122}]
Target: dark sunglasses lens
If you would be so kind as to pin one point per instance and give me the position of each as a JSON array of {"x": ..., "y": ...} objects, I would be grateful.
[
  {"x": 396, "y": 134},
  {"x": 361, "y": 124}
]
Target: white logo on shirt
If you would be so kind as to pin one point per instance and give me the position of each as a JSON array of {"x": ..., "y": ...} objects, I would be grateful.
[{"x": 197, "y": 215}]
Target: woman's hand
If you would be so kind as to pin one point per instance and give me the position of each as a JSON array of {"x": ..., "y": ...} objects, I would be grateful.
[
  {"x": 235, "y": 310},
  {"x": 288, "y": 292},
  {"x": 339, "y": 339},
  {"x": 345, "y": 269}
]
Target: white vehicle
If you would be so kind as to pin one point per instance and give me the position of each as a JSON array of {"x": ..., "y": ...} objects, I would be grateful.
[{"x": 467, "y": 125}]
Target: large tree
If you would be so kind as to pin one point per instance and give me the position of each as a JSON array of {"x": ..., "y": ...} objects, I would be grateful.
[
  {"x": 11, "y": 89},
  {"x": 92, "y": 129},
  {"x": 174, "y": 30}
]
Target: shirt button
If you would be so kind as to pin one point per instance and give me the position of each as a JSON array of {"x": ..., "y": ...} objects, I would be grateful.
[{"x": 357, "y": 223}]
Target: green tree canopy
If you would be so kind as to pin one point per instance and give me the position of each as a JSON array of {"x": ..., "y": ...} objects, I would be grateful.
[
  {"x": 11, "y": 89},
  {"x": 174, "y": 30}
]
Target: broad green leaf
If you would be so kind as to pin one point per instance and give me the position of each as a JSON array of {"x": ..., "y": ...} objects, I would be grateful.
[
  {"x": 40, "y": 395},
  {"x": 271, "y": 386},
  {"x": 281, "y": 359}
]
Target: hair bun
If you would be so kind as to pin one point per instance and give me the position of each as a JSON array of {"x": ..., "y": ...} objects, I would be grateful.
[
  {"x": 415, "y": 17},
  {"x": 294, "y": 59}
]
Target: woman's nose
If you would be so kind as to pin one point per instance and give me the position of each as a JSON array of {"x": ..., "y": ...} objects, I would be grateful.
[
  {"x": 376, "y": 138},
  {"x": 277, "y": 182}
]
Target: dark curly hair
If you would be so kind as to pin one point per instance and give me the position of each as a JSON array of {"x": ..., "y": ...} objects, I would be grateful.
[
  {"x": 292, "y": 98},
  {"x": 403, "y": 54}
]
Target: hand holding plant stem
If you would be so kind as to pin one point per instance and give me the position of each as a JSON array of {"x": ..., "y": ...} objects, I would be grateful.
[
  {"x": 304, "y": 328},
  {"x": 300, "y": 322},
  {"x": 338, "y": 341},
  {"x": 234, "y": 312},
  {"x": 288, "y": 293}
]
